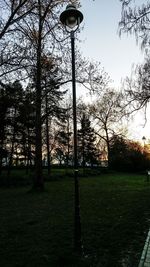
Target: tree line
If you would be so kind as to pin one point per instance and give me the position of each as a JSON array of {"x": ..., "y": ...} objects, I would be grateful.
[{"x": 100, "y": 136}]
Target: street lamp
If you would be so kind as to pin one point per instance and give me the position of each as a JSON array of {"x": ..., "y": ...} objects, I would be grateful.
[
  {"x": 71, "y": 19},
  {"x": 144, "y": 139}
]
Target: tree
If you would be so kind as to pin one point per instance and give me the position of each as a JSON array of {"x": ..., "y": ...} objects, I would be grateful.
[
  {"x": 27, "y": 128},
  {"x": 87, "y": 151},
  {"x": 64, "y": 144},
  {"x": 11, "y": 54},
  {"x": 118, "y": 153},
  {"x": 4, "y": 105},
  {"x": 51, "y": 97},
  {"x": 137, "y": 88},
  {"x": 89, "y": 74},
  {"x": 14, "y": 12},
  {"x": 136, "y": 20},
  {"x": 40, "y": 27},
  {"x": 126, "y": 155},
  {"x": 16, "y": 94},
  {"x": 107, "y": 113},
  {"x": 17, "y": 131},
  {"x": 12, "y": 96}
]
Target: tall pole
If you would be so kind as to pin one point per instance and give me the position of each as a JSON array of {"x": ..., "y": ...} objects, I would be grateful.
[{"x": 77, "y": 221}]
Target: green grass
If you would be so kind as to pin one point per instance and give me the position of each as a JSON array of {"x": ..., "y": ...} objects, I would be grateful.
[{"x": 36, "y": 229}]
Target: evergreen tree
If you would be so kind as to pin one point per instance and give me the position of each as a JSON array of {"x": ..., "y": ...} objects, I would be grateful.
[
  {"x": 27, "y": 127},
  {"x": 64, "y": 134},
  {"x": 87, "y": 151},
  {"x": 64, "y": 144},
  {"x": 11, "y": 99},
  {"x": 4, "y": 104},
  {"x": 51, "y": 98}
]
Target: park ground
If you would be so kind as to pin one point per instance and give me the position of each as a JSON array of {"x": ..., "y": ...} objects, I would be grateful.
[{"x": 36, "y": 229}]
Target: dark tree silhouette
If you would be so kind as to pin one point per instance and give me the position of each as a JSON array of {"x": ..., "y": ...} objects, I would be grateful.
[
  {"x": 87, "y": 151},
  {"x": 126, "y": 155}
]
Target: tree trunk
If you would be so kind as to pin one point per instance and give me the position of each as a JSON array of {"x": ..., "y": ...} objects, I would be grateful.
[
  {"x": 47, "y": 137},
  {"x": 12, "y": 146},
  {"x": 28, "y": 151},
  {"x": 38, "y": 181},
  {"x": 108, "y": 146},
  {"x": 68, "y": 144},
  {"x": 1, "y": 147}
]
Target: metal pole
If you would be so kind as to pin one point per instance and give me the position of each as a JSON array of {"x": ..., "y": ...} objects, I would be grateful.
[{"x": 77, "y": 221}]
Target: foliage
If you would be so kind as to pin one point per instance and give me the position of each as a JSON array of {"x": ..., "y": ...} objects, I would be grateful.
[
  {"x": 87, "y": 151},
  {"x": 17, "y": 115},
  {"x": 64, "y": 146},
  {"x": 126, "y": 155}
]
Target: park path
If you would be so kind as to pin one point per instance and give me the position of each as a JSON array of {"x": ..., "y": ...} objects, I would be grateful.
[{"x": 145, "y": 258}]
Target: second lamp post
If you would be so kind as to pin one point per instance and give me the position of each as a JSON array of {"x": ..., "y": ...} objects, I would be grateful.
[{"x": 71, "y": 18}]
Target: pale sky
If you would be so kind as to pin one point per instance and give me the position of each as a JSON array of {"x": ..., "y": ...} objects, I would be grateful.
[{"x": 101, "y": 42}]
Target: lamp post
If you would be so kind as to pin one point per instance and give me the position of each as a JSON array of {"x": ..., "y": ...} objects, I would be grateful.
[
  {"x": 71, "y": 19},
  {"x": 144, "y": 139}
]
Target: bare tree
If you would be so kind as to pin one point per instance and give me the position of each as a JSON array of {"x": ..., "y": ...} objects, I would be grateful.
[
  {"x": 13, "y": 12},
  {"x": 137, "y": 88},
  {"x": 107, "y": 113},
  {"x": 11, "y": 55},
  {"x": 135, "y": 19},
  {"x": 89, "y": 74}
]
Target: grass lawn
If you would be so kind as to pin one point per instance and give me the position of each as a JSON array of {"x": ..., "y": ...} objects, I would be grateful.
[{"x": 36, "y": 229}]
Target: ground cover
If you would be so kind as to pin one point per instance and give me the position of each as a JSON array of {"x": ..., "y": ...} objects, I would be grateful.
[{"x": 36, "y": 229}]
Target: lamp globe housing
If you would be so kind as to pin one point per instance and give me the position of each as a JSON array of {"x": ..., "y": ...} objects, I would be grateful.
[{"x": 71, "y": 17}]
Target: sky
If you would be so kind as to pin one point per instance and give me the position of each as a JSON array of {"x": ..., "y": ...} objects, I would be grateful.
[{"x": 101, "y": 42}]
